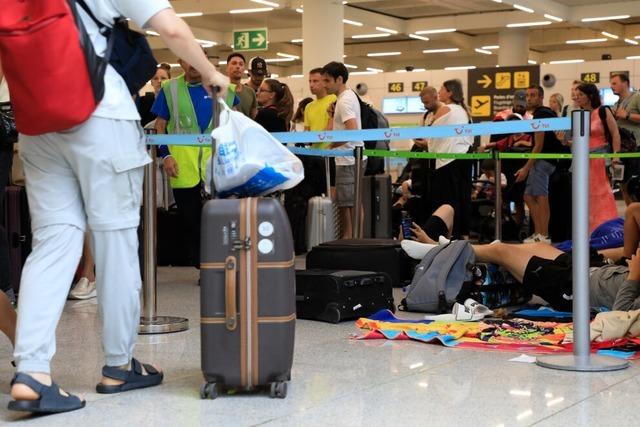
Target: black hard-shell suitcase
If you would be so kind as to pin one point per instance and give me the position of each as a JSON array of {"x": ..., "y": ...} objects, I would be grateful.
[
  {"x": 377, "y": 201},
  {"x": 381, "y": 255},
  {"x": 18, "y": 228},
  {"x": 333, "y": 296},
  {"x": 247, "y": 296}
]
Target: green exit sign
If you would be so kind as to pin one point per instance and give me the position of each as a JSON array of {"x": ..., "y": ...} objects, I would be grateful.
[{"x": 255, "y": 39}]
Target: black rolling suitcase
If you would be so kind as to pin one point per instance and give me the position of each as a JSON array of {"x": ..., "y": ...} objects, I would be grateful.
[
  {"x": 333, "y": 296},
  {"x": 247, "y": 296},
  {"x": 381, "y": 255},
  {"x": 376, "y": 200},
  {"x": 18, "y": 228}
]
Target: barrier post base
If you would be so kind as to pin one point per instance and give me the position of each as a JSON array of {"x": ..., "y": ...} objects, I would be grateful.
[
  {"x": 592, "y": 363},
  {"x": 162, "y": 325}
]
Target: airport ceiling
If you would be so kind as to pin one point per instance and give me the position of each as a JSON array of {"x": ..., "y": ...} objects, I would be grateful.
[{"x": 477, "y": 23}]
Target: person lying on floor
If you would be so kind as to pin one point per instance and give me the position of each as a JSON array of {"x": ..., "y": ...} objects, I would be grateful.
[
  {"x": 437, "y": 229},
  {"x": 547, "y": 272}
]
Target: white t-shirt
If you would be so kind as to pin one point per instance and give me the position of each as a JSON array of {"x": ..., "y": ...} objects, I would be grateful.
[
  {"x": 117, "y": 102},
  {"x": 4, "y": 90},
  {"x": 347, "y": 108},
  {"x": 456, "y": 116}
]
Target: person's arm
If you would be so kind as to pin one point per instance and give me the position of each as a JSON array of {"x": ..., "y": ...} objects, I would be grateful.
[
  {"x": 169, "y": 163},
  {"x": 628, "y": 296},
  {"x": 523, "y": 172},
  {"x": 175, "y": 33},
  {"x": 351, "y": 124}
]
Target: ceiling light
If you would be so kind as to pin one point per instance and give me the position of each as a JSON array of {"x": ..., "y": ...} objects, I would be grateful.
[
  {"x": 586, "y": 41},
  {"x": 361, "y": 73},
  {"x": 279, "y": 59},
  {"x": 484, "y": 51},
  {"x": 611, "y": 36},
  {"x": 152, "y": 33},
  {"x": 491, "y": 47},
  {"x": 523, "y": 8},
  {"x": 354, "y": 23},
  {"x": 441, "y": 30},
  {"x": 375, "y": 70},
  {"x": 553, "y": 18},
  {"x": 255, "y": 10},
  {"x": 532, "y": 62},
  {"x": 450, "y": 49},
  {"x": 637, "y": 37},
  {"x": 206, "y": 43},
  {"x": 386, "y": 30},
  {"x": 175, "y": 65},
  {"x": 463, "y": 67},
  {"x": 415, "y": 36},
  {"x": 286, "y": 55},
  {"x": 299, "y": 10},
  {"x": 567, "y": 61},
  {"x": 633, "y": 42},
  {"x": 415, "y": 70},
  {"x": 266, "y": 3},
  {"x": 528, "y": 24},
  {"x": 274, "y": 75},
  {"x": 370, "y": 36},
  {"x": 497, "y": 1},
  {"x": 633, "y": 57},
  {"x": 605, "y": 18},
  {"x": 344, "y": 56},
  {"x": 345, "y": 2},
  {"x": 350, "y": 66},
  {"x": 189, "y": 14},
  {"x": 297, "y": 40},
  {"x": 296, "y": 76},
  {"x": 401, "y": 71},
  {"x": 384, "y": 54}
]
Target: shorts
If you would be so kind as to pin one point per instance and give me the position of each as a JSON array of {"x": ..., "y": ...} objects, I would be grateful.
[
  {"x": 436, "y": 227},
  {"x": 346, "y": 184},
  {"x": 538, "y": 179},
  {"x": 551, "y": 280}
]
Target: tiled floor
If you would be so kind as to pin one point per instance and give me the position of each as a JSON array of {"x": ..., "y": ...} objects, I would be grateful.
[{"x": 336, "y": 381}]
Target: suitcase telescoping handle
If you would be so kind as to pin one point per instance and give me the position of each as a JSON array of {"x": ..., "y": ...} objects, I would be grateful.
[
  {"x": 215, "y": 122},
  {"x": 230, "y": 268},
  {"x": 327, "y": 169}
]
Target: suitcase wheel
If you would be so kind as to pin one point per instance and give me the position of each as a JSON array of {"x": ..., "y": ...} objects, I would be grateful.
[
  {"x": 208, "y": 391},
  {"x": 279, "y": 390}
]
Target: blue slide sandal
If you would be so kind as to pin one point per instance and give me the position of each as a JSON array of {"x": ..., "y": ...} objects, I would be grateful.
[
  {"x": 133, "y": 378},
  {"x": 50, "y": 400}
]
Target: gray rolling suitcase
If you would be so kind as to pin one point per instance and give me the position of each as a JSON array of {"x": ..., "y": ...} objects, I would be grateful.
[
  {"x": 376, "y": 202},
  {"x": 248, "y": 304},
  {"x": 322, "y": 217}
]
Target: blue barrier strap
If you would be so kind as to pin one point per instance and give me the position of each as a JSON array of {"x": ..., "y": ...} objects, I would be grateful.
[
  {"x": 321, "y": 153},
  {"x": 486, "y": 128}
]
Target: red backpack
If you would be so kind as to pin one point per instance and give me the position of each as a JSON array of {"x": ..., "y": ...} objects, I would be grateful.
[{"x": 55, "y": 78}]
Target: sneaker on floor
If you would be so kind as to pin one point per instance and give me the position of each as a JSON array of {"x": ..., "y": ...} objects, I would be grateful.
[
  {"x": 537, "y": 238},
  {"x": 530, "y": 239},
  {"x": 84, "y": 289}
]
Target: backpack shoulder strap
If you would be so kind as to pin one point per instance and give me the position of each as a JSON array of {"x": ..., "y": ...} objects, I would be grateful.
[
  {"x": 87, "y": 9},
  {"x": 602, "y": 113}
]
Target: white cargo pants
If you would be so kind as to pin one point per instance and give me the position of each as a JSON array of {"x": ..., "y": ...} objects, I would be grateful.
[{"x": 91, "y": 175}]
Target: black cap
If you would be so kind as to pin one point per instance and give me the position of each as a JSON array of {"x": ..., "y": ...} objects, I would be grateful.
[{"x": 258, "y": 66}]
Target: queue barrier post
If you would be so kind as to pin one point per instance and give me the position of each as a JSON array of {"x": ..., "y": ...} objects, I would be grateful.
[
  {"x": 150, "y": 322},
  {"x": 582, "y": 359},
  {"x": 498, "y": 189},
  {"x": 357, "y": 209}
]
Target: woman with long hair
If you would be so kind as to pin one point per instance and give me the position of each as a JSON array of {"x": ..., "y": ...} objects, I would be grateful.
[
  {"x": 277, "y": 106},
  {"x": 602, "y": 205},
  {"x": 297, "y": 122},
  {"x": 556, "y": 103},
  {"x": 451, "y": 182}
]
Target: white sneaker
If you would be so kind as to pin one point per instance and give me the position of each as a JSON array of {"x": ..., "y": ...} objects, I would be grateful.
[
  {"x": 531, "y": 239},
  {"x": 443, "y": 240},
  {"x": 83, "y": 289}
]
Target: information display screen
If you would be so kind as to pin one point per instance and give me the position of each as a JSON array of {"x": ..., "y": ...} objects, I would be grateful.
[
  {"x": 394, "y": 105},
  {"x": 415, "y": 105}
]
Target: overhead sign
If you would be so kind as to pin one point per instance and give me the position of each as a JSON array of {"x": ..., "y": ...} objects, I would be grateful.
[
  {"x": 255, "y": 39},
  {"x": 491, "y": 89},
  {"x": 590, "y": 77},
  {"x": 397, "y": 87},
  {"x": 419, "y": 86}
]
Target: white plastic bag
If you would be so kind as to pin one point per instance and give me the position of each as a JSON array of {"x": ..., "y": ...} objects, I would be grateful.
[{"x": 248, "y": 161}]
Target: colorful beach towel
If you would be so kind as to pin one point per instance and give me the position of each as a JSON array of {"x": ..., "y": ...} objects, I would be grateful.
[{"x": 517, "y": 335}]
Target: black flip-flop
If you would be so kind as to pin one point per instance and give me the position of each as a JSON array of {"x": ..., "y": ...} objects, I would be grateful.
[
  {"x": 133, "y": 378},
  {"x": 50, "y": 400}
]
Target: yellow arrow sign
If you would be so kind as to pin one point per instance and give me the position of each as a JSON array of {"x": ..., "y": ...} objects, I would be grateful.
[{"x": 486, "y": 81}]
